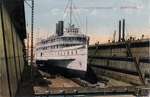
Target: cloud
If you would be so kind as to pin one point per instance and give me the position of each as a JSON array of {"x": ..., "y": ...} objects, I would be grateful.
[
  {"x": 82, "y": 11},
  {"x": 55, "y": 11},
  {"x": 94, "y": 12}
]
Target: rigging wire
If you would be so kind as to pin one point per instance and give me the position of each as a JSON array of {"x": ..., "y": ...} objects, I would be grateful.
[
  {"x": 65, "y": 11},
  {"x": 28, "y": 4},
  {"x": 71, "y": 12},
  {"x": 75, "y": 17}
]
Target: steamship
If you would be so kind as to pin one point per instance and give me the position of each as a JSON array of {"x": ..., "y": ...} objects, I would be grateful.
[{"x": 66, "y": 49}]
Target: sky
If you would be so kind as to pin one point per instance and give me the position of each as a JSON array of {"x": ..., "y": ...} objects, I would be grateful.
[{"x": 102, "y": 17}]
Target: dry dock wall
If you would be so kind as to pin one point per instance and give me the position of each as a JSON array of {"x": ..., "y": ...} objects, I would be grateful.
[
  {"x": 113, "y": 60},
  {"x": 12, "y": 33}
]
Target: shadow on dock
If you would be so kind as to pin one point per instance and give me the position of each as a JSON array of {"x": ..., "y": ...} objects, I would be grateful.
[
  {"x": 89, "y": 76},
  {"x": 25, "y": 88}
]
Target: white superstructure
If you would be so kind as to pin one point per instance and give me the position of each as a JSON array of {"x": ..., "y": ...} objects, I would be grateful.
[{"x": 67, "y": 48}]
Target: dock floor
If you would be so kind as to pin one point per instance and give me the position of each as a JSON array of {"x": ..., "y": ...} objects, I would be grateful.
[{"x": 43, "y": 83}]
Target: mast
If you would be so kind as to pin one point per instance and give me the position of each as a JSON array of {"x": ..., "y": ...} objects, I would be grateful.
[
  {"x": 86, "y": 25},
  {"x": 71, "y": 13}
]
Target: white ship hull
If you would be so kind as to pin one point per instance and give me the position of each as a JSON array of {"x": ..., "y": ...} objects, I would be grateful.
[
  {"x": 67, "y": 48},
  {"x": 71, "y": 58}
]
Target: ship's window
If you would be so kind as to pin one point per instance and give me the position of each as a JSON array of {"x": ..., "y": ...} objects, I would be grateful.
[{"x": 76, "y": 51}]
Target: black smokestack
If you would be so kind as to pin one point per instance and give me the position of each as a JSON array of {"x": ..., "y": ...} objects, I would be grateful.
[
  {"x": 60, "y": 28},
  {"x": 57, "y": 28},
  {"x": 119, "y": 30},
  {"x": 123, "y": 30}
]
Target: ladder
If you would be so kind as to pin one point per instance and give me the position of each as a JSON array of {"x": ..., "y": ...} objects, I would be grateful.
[{"x": 136, "y": 61}]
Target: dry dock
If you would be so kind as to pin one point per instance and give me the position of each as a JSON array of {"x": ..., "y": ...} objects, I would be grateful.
[
  {"x": 45, "y": 85},
  {"x": 126, "y": 61},
  {"x": 121, "y": 68},
  {"x": 54, "y": 84}
]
